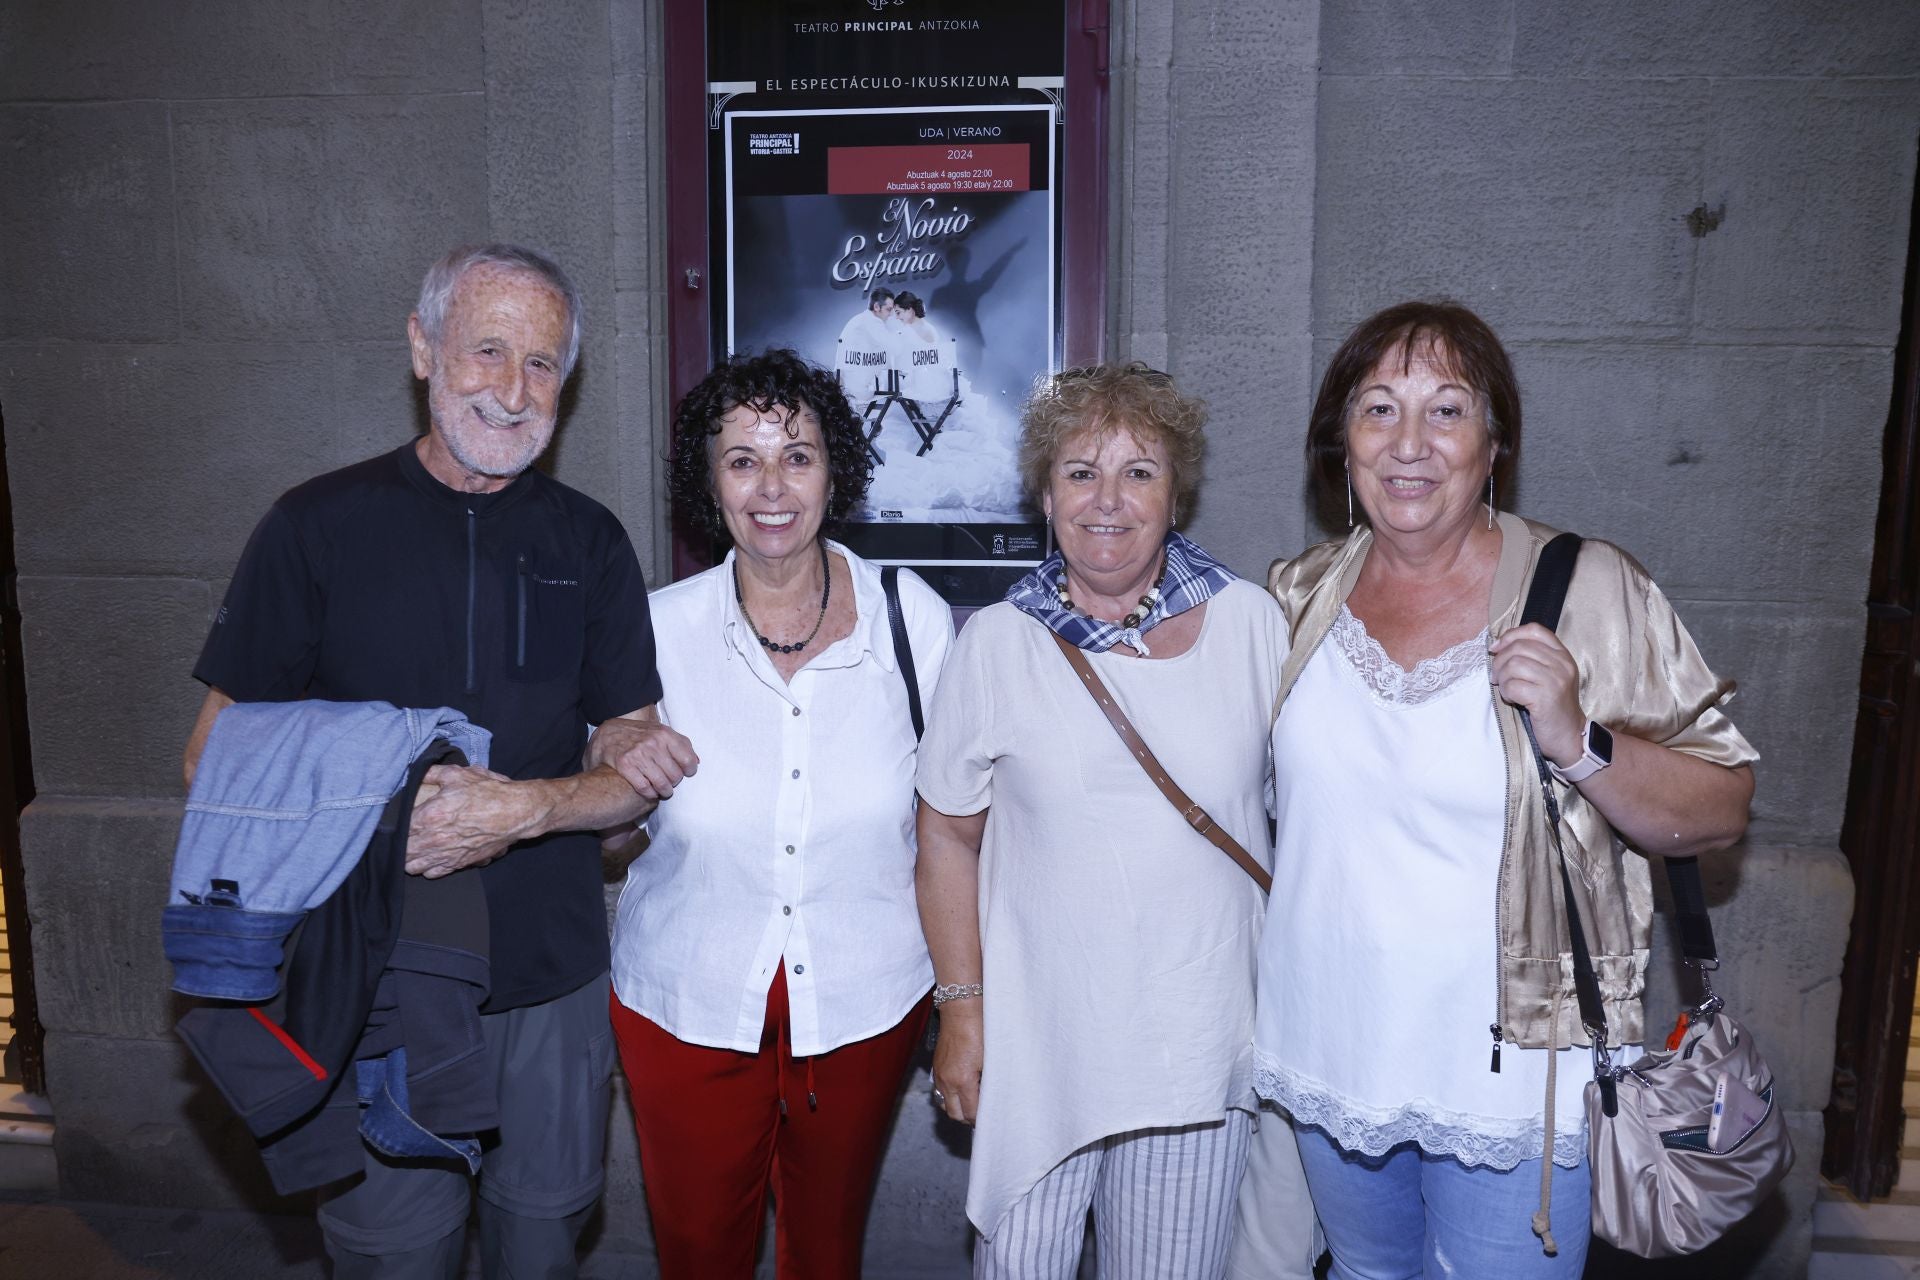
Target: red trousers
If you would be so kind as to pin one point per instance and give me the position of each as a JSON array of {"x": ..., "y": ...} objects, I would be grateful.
[{"x": 713, "y": 1138}]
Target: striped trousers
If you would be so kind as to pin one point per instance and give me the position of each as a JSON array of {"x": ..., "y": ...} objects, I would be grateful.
[{"x": 1162, "y": 1203}]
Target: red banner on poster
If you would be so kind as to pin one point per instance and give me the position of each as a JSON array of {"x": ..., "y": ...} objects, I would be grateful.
[{"x": 992, "y": 166}]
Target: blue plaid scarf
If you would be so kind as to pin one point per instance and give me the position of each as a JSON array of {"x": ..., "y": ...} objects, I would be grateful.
[{"x": 1192, "y": 577}]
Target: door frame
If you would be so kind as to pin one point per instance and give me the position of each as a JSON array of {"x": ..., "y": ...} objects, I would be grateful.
[
  {"x": 16, "y": 792},
  {"x": 1881, "y": 831}
]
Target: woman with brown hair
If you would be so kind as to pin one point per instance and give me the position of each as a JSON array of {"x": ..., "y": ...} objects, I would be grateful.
[{"x": 1415, "y": 977}]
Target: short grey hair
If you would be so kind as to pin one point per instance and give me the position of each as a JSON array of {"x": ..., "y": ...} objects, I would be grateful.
[{"x": 443, "y": 277}]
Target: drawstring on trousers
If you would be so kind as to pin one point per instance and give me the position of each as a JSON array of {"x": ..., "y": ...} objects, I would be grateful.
[
  {"x": 1542, "y": 1217},
  {"x": 780, "y": 1076}
]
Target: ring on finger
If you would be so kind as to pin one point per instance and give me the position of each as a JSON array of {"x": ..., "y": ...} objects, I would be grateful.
[{"x": 939, "y": 1098}]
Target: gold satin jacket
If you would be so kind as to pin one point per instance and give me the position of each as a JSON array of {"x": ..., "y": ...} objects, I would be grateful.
[{"x": 1640, "y": 674}]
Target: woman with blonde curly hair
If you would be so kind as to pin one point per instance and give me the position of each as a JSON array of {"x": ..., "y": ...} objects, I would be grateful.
[{"x": 1094, "y": 952}]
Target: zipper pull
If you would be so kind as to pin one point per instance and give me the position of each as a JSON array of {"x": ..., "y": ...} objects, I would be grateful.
[{"x": 1494, "y": 1066}]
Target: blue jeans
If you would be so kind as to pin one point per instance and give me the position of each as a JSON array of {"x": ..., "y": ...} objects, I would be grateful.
[{"x": 1408, "y": 1215}]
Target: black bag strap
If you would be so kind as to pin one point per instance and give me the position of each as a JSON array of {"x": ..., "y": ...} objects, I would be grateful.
[
  {"x": 1551, "y": 577},
  {"x": 1545, "y": 598},
  {"x": 902, "y": 648}
]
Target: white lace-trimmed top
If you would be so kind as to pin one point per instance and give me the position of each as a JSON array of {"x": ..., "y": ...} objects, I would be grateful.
[{"x": 1378, "y": 965}]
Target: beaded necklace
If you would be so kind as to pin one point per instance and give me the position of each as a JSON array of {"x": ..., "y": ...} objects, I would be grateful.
[
  {"x": 826, "y": 593},
  {"x": 1137, "y": 615}
]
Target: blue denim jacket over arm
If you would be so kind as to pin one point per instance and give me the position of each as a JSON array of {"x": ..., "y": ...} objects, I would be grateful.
[{"x": 283, "y": 803}]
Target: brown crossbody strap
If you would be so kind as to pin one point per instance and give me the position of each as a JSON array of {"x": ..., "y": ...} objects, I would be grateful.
[{"x": 1196, "y": 817}]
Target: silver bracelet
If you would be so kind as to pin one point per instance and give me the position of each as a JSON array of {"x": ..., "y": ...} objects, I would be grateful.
[{"x": 955, "y": 991}]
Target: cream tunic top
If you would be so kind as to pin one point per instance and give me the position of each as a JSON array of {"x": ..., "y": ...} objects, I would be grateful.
[{"x": 1118, "y": 946}]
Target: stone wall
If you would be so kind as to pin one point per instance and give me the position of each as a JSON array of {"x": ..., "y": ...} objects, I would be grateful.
[{"x": 1688, "y": 222}]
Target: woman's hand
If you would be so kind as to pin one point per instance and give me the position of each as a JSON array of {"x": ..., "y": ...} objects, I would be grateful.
[
  {"x": 957, "y": 1060},
  {"x": 1533, "y": 670},
  {"x": 1658, "y": 799}
]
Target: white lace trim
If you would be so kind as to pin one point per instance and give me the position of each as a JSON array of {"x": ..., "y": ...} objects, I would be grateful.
[
  {"x": 1393, "y": 685},
  {"x": 1496, "y": 1143}
]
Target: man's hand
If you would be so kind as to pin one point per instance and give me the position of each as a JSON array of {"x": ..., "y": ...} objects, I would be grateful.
[
  {"x": 653, "y": 758},
  {"x": 465, "y": 816}
]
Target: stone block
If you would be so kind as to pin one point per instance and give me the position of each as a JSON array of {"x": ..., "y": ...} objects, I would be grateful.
[
  {"x": 87, "y": 213},
  {"x": 140, "y": 1124},
  {"x": 1799, "y": 674},
  {"x": 1554, "y": 209},
  {"x": 107, "y": 49},
  {"x": 1257, "y": 40},
  {"x": 97, "y": 875},
  {"x": 1249, "y": 509},
  {"x": 1780, "y": 920},
  {"x": 530, "y": 41},
  {"x": 1390, "y": 37},
  {"x": 1143, "y": 190},
  {"x": 638, "y": 437},
  {"x": 636, "y": 43},
  {"x": 110, "y": 697},
  {"x": 428, "y": 46},
  {"x": 85, "y": 49},
  {"x": 1143, "y": 33},
  {"x": 316, "y": 217},
  {"x": 1679, "y": 455},
  {"x": 241, "y": 49},
  {"x": 1245, "y": 259},
  {"x": 639, "y": 207},
  {"x": 1814, "y": 185},
  {"x": 1773, "y": 1244},
  {"x": 1721, "y": 38},
  {"x": 161, "y": 459},
  {"x": 554, "y": 196}
]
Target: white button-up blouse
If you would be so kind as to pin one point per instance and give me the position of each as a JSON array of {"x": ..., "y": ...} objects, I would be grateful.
[{"x": 793, "y": 843}]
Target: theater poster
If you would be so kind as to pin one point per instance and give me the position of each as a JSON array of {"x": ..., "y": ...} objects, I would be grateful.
[{"x": 884, "y": 196}]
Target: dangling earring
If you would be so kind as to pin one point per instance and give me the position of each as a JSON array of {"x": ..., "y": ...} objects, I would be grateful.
[
  {"x": 1349, "y": 471},
  {"x": 1489, "y": 499}
]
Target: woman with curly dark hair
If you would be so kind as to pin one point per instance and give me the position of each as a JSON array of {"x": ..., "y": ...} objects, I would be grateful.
[{"x": 770, "y": 978}]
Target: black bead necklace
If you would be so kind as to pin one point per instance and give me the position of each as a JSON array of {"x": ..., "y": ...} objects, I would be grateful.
[{"x": 826, "y": 593}]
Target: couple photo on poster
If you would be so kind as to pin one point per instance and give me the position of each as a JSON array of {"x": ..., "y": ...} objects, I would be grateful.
[{"x": 892, "y": 357}]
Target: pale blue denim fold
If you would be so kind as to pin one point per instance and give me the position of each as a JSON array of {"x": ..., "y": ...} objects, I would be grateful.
[{"x": 285, "y": 798}]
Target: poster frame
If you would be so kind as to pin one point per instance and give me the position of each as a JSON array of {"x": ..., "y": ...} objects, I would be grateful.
[{"x": 688, "y": 106}]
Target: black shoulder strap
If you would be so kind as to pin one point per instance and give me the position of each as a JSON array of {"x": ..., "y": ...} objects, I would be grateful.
[
  {"x": 902, "y": 648},
  {"x": 1551, "y": 577}
]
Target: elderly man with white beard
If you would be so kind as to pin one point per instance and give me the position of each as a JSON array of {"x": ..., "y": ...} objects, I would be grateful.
[{"x": 450, "y": 573}]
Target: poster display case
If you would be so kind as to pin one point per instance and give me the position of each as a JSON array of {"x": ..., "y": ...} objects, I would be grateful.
[{"x": 887, "y": 187}]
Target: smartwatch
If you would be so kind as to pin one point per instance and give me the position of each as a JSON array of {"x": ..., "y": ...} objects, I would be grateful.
[{"x": 1596, "y": 753}]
